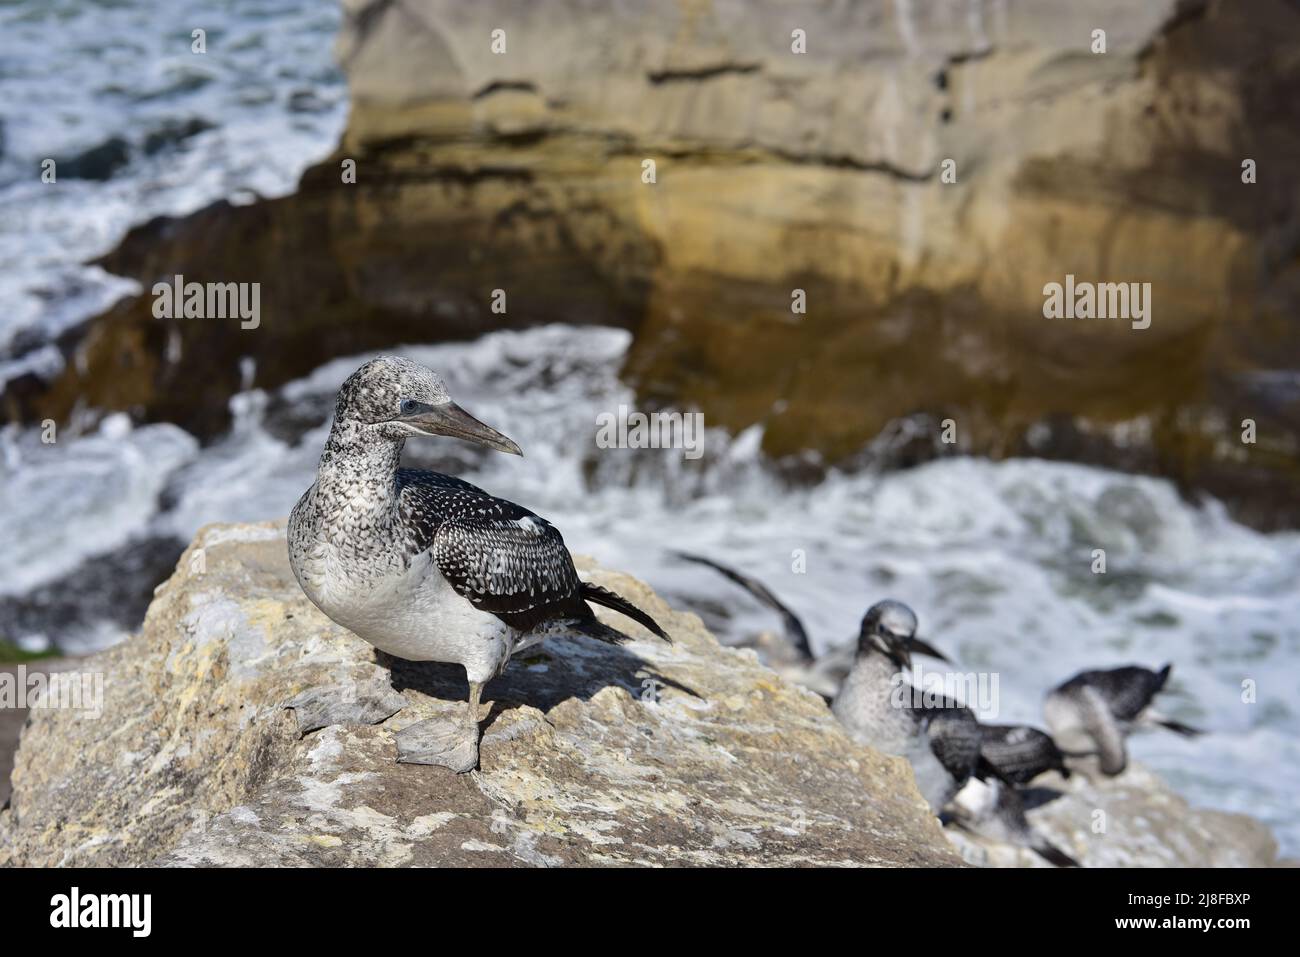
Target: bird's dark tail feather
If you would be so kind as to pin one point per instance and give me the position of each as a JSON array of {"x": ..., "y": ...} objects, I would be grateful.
[
  {"x": 603, "y": 596},
  {"x": 1162, "y": 676},
  {"x": 795, "y": 632},
  {"x": 594, "y": 628},
  {"x": 1053, "y": 854},
  {"x": 1186, "y": 730}
]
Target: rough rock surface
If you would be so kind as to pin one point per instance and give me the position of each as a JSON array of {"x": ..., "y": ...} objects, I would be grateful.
[
  {"x": 822, "y": 171},
  {"x": 205, "y": 753},
  {"x": 1133, "y": 820}
]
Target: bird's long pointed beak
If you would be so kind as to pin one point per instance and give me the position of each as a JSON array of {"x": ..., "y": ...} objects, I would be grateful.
[
  {"x": 450, "y": 419},
  {"x": 898, "y": 651},
  {"x": 917, "y": 646}
]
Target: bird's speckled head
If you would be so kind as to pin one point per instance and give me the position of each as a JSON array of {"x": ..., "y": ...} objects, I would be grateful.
[
  {"x": 392, "y": 398},
  {"x": 374, "y": 394},
  {"x": 889, "y": 627}
]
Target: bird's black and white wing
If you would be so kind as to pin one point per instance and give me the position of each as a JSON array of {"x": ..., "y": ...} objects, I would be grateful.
[
  {"x": 1020, "y": 753},
  {"x": 954, "y": 737},
  {"x": 502, "y": 558},
  {"x": 1127, "y": 691}
]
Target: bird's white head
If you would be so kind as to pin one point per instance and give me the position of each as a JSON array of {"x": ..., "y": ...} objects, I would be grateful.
[{"x": 393, "y": 398}]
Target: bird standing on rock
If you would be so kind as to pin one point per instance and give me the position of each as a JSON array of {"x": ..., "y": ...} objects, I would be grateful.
[
  {"x": 425, "y": 566},
  {"x": 874, "y": 703},
  {"x": 941, "y": 739}
]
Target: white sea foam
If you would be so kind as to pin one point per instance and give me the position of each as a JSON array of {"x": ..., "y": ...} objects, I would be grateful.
[
  {"x": 78, "y": 73},
  {"x": 63, "y": 502}
]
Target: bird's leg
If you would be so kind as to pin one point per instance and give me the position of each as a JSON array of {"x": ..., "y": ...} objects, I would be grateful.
[
  {"x": 445, "y": 742},
  {"x": 471, "y": 713}
]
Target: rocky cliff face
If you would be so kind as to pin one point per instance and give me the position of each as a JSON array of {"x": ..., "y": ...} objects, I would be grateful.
[
  {"x": 921, "y": 173},
  {"x": 243, "y": 727}
]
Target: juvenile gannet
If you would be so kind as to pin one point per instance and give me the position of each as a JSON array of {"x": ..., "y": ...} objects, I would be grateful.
[
  {"x": 1094, "y": 712},
  {"x": 793, "y": 658},
  {"x": 959, "y": 763},
  {"x": 939, "y": 737},
  {"x": 425, "y": 566}
]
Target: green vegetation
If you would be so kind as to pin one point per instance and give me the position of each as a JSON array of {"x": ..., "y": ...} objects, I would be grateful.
[{"x": 11, "y": 654}]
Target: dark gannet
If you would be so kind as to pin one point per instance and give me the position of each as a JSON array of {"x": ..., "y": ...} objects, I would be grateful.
[
  {"x": 425, "y": 566},
  {"x": 873, "y": 701},
  {"x": 991, "y": 803},
  {"x": 793, "y": 657},
  {"x": 940, "y": 737},
  {"x": 1093, "y": 712}
]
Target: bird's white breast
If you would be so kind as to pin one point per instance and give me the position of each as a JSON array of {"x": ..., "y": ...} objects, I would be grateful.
[
  {"x": 411, "y": 612},
  {"x": 867, "y": 708}
]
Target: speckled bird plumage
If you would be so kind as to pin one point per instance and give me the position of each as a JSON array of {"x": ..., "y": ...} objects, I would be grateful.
[
  {"x": 423, "y": 565},
  {"x": 958, "y": 763}
]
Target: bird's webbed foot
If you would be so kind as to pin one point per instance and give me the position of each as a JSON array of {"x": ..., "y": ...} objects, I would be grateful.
[{"x": 448, "y": 742}]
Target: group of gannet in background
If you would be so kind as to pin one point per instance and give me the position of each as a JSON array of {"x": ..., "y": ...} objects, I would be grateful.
[
  {"x": 427, "y": 567},
  {"x": 969, "y": 772}
]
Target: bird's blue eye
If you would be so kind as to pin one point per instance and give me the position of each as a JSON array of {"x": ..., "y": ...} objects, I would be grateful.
[{"x": 408, "y": 406}]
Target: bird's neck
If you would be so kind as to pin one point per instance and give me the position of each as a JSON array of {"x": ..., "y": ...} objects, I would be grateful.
[
  {"x": 873, "y": 667},
  {"x": 866, "y": 705},
  {"x": 359, "y": 471}
]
